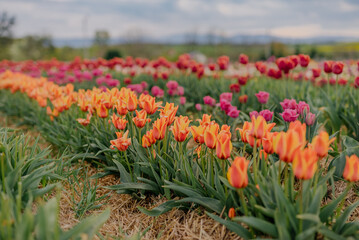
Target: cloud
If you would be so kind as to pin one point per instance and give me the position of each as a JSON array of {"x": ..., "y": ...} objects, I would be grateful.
[{"x": 76, "y": 18}]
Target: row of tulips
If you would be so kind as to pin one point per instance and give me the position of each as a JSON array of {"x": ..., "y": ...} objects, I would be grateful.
[
  {"x": 237, "y": 174},
  {"x": 296, "y": 67}
]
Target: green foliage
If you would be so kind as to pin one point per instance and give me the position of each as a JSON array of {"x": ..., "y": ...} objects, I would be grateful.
[{"x": 112, "y": 53}]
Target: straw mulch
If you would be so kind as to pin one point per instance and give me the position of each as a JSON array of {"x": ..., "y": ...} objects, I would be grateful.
[{"x": 127, "y": 220}]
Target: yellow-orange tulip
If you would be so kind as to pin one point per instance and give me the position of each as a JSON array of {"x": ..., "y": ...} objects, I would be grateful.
[
  {"x": 321, "y": 144},
  {"x": 351, "y": 170},
  {"x": 169, "y": 112},
  {"x": 101, "y": 111},
  {"x": 260, "y": 127},
  {"x": 159, "y": 128},
  {"x": 132, "y": 102},
  {"x": 149, "y": 104},
  {"x": 305, "y": 163},
  {"x": 118, "y": 122},
  {"x": 237, "y": 173},
  {"x": 85, "y": 121},
  {"x": 122, "y": 142},
  {"x": 198, "y": 133},
  {"x": 210, "y": 135},
  {"x": 301, "y": 129},
  {"x": 206, "y": 119},
  {"x": 247, "y": 126},
  {"x": 223, "y": 145},
  {"x": 141, "y": 118},
  {"x": 180, "y": 128},
  {"x": 148, "y": 140},
  {"x": 286, "y": 144}
]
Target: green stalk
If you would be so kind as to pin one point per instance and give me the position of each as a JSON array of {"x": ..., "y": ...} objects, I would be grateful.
[
  {"x": 279, "y": 171},
  {"x": 285, "y": 179},
  {"x": 128, "y": 165},
  {"x": 301, "y": 205},
  {"x": 2, "y": 156},
  {"x": 243, "y": 202},
  {"x": 255, "y": 161}
]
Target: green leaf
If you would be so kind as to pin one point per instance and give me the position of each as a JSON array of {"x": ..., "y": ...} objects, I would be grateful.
[
  {"x": 329, "y": 209},
  {"x": 233, "y": 226},
  {"x": 307, "y": 233},
  {"x": 87, "y": 227},
  {"x": 161, "y": 209},
  {"x": 210, "y": 203},
  {"x": 259, "y": 224},
  {"x": 309, "y": 217},
  {"x": 338, "y": 226},
  {"x": 132, "y": 186},
  {"x": 281, "y": 224},
  {"x": 329, "y": 233}
]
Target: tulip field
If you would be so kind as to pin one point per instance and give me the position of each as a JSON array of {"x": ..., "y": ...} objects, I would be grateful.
[{"x": 266, "y": 149}]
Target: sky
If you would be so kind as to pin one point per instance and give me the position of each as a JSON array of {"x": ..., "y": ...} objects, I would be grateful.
[{"x": 157, "y": 18}]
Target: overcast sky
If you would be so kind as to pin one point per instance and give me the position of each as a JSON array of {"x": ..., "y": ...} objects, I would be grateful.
[{"x": 155, "y": 18}]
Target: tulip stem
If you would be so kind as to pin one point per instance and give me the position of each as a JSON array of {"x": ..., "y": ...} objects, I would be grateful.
[
  {"x": 279, "y": 172},
  {"x": 255, "y": 161},
  {"x": 243, "y": 202},
  {"x": 301, "y": 205},
  {"x": 128, "y": 165},
  {"x": 285, "y": 179},
  {"x": 223, "y": 167},
  {"x": 2, "y": 156}
]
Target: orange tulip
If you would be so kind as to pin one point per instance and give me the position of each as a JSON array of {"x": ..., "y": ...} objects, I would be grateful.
[
  {"x": 321, "y": 143},
  {"x": 247, "y": 126},
  {"x": 148, "y": 140},
  {"x": 260, "y": 127},
  {"x": 305, "y": 163},
  {"x": 267, "y": 143},
  {"x": 237, "y": 173},
  {"x": 210, "y": 135},
  {"x": 102, "y": 111},
  {"x": 149, "y": 104},
  {"x": 141, "y": 118},
  {"x": 169, "y": 112},
  {"x": 85, "y": 121},
  {"x": 159, "y": 128},
  {"x": 286, "y": 144},
  {"x": 223, "y": 145},
  {"x": 231, "y": 213},
  {"x": 198, "y": 133},
  {"x": 118, "y": 122},
  {"x": 206, "y": 119},
  {"x": 180, "y": 128},
  {"x": 132, "y": 101},
  {"x": 301, "y": 129},
  {"x": 351, "y": 170},
  {"x": 122, "y": 142}
]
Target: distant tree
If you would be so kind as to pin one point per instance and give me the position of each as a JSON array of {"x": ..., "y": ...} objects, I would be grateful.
[
  {"x": 278, "y": 49},
  {"x": 191, "y": 37},
  {"x": 6, "y": 24},
  {"x": 112, "y": 53},
  {"x": 32, "y": 47},
  {"x": 102, "y": 38},
  {"x": 297, "y": 49},
  {"x": 313, "y": 52}
]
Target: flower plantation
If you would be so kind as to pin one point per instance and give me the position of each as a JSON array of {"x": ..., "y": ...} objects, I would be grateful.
[{"x": 262, "y": 161}]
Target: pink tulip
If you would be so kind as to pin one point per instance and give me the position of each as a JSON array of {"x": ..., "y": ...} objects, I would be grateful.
[
  {"x": 262, "y": 97},
  {"x": 289, "y": 115}
]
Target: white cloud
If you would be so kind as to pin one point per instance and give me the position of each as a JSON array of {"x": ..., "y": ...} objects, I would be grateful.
[{"x": 65, "y": 18}]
